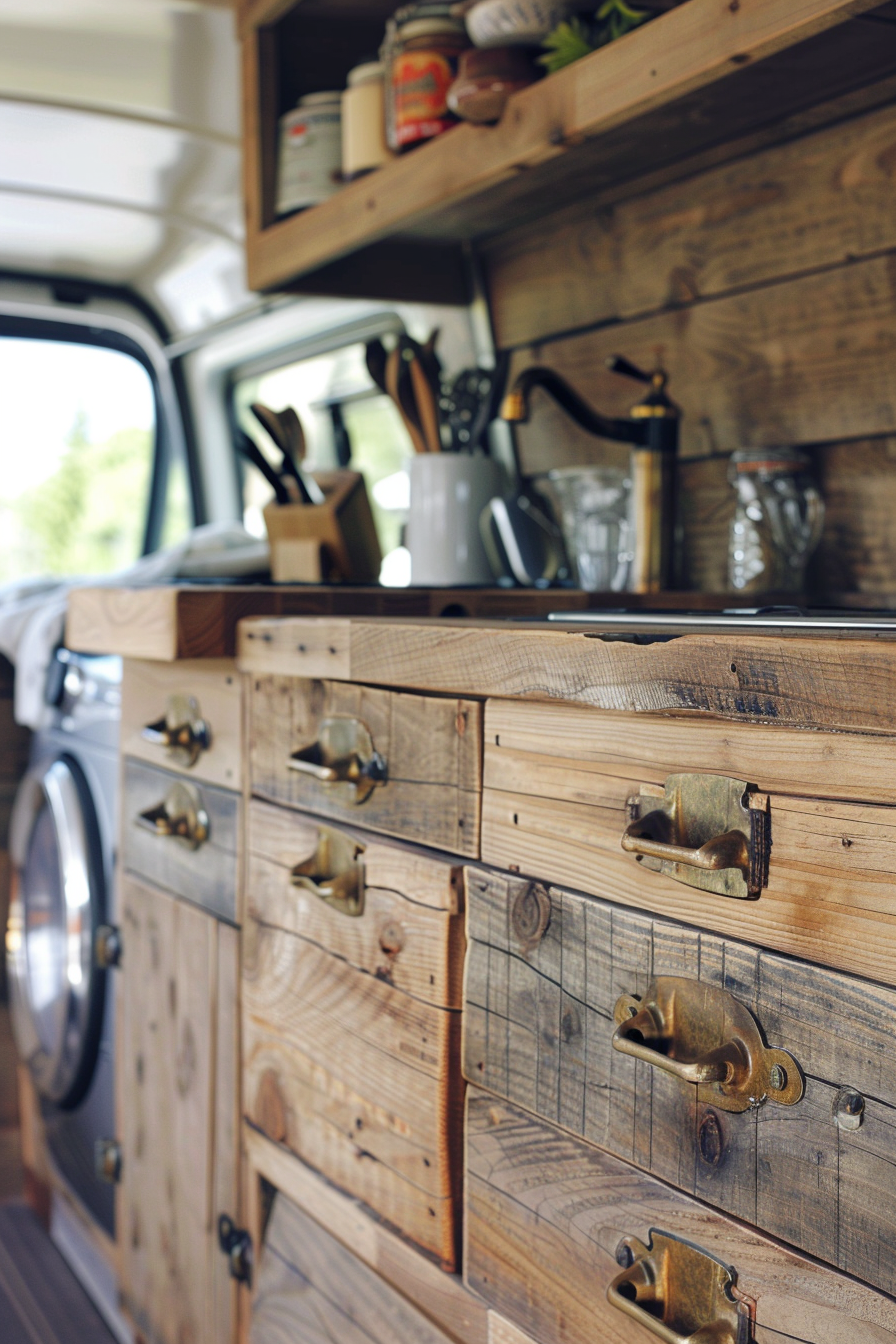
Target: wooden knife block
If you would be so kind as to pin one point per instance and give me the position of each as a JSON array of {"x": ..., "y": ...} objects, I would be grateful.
[{"x": 333, "y": 542}]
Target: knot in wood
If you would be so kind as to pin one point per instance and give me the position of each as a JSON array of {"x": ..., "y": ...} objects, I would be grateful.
[
  {"x": 530, "y": 915},
  {"x": 710, "y": 1140},
  {"x": 392, "y": 938}
]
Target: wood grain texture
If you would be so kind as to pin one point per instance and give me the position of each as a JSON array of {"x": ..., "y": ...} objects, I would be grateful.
[
  {"x": 820, "y": 201},
  {"x": 502, "y": 1332},
  {"x": 442, "y": 1297},
  {"x": 411, "y": 932},
  {"x": 226, "y": 1121},
  {"x": 538, "y": 1024},
  {"x": 215, "y": 686},
  {"x": 832, "y": 684},
  {"x": 207, "y": 876},
  {"x": 172, "y": 1183},
  {"x": 829, "y": 896},
  {"x": 311, "y": 1288},
  {"x": 546, "y": 1212},
  {"x": 357, "y": 1078},
  {"x": 432, "y": 748},
  {"x": 565, "y": 751}
]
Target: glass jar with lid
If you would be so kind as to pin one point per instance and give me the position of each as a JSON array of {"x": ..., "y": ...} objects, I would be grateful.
[
  {"x": 778, "y": 520},
  {"x": 424, "y": 46},
  {"x": 309, "y": 166}
]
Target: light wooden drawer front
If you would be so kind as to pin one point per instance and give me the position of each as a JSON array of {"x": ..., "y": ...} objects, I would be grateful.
[
  {"x": 311, "y": 1288},
  {"x": 207, "y": 874},
  {"x": 538, "y": 1031},
  {"x": 546, "y": 1215},
  {"x": 558, "y": 781},
  {"x": 427, "y": 782},
  {"x": 351, "y": 1027},
  {"x": 156, "y": 697}
]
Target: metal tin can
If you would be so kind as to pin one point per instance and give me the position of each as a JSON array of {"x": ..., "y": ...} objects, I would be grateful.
[
  {"x": 310, "y": 160},
  {"x": 364, "y": 121},
  {"x": 424, "y": 66}
]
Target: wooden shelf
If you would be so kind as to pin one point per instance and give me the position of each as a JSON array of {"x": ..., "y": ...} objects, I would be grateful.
[{"x": 703, "y": 82}]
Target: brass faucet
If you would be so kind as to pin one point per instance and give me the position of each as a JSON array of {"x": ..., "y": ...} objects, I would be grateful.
[{"x": 652, "y": 430}]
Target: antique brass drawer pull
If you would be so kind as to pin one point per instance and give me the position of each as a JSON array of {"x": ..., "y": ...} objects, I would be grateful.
[
  {"x": 182, "y": 732},
  {"x": 334, "y": 872},
  {"x": 343, "y": 757},
  {"x": 680, "y": 1293},
  {"x": 705, "y": 830},
  {"x": 181, "y": 816},
  {"x": 704, "y": 1036}
]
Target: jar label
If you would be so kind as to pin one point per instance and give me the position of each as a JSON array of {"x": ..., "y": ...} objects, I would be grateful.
[{"x": 420, "y": 82}]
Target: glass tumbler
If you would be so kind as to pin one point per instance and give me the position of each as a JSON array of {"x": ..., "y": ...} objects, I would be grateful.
[{"x": 594, "y": 508}]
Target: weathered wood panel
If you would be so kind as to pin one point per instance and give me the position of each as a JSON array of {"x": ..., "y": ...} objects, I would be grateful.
[
  {"x": 830, "y": 896},
  {"x": 411, "y": 932},
  {"x": 356, "y": 1077},
  {"x": 311, "y": 1288},
  {"x": 432, "y": 749},
  {"x": 833, "y": 684},
  {"x": 538, "y": 1026},
  {"x": 819, "y": 201},
  {"x": 207, "y": 876},
  {"x": 215, "y": 686},
  {"x": 172, "y": 1185},
  {"x": 565, "y": 752},
  {"x": 442, "y": 1297},
  {"x": 546, "y": 1213}
]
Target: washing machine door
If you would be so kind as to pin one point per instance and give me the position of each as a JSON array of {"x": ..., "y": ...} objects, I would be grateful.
[{"x": 58, "y": 904}]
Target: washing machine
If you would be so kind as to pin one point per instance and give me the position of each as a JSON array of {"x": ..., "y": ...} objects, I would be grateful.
[{"x": 61, "y": 940}]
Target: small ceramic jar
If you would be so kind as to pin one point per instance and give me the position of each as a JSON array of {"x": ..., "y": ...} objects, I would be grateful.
[
  {"x": 486, "y": 79},
  {"x": 310, "y": 161},
  {"x": 364, "y": 121}
]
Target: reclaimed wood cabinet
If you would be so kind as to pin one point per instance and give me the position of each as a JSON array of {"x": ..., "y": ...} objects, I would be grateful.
[{"x": 177, "y": 1090}]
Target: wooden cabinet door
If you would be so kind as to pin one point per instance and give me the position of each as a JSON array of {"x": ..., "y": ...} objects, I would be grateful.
[{"x": 177, "y": 1116}]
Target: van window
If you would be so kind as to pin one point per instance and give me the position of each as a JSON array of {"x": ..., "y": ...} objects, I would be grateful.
[
  {"x": 346, "y": 420},
  {"x": 77, "y": 448}
]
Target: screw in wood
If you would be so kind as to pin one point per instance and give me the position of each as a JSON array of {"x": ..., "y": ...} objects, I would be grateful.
[{"x": 849, "y": 1108}]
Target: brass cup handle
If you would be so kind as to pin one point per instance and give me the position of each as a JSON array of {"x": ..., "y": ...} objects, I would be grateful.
[
  {"x": 334, "y": 873},
  {"x": 730, "y": 850},
  {"x": 342, "y": 755},
  {"x": 718, "y": 1066},
  {"x": 180, "y": 816},
  {"x": 679, "y": 1293},
  {"x": 182, "y": 731}
]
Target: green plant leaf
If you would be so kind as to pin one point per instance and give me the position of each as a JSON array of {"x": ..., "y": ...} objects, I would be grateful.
[{"x": 568, "y": 42}]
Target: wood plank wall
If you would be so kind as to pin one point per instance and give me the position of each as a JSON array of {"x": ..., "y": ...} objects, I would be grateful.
[{"x": 767, "y": 286}]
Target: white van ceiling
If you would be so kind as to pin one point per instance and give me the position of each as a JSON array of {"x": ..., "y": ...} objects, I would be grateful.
[{"x": 119, "y": 149}]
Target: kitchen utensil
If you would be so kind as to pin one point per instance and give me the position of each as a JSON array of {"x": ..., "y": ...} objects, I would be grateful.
[
  {"x": 427, "y": 405},
  {"x": 376, "y": 356},
  {"x": 397, "y": 385},
  {"x": 594, "y": 510},
  {"x": 499, "y": 23},
  {"x": 472, "y": 402},
  {"x": 254, "y": 455},
  {"x": 448, "y": 493},
  {"x": 287, "y": 435},
  {"x": 521, "y": 542}
]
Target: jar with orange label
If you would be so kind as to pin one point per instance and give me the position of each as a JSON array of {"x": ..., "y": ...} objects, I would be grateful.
[{"x": 423, "y": 68}]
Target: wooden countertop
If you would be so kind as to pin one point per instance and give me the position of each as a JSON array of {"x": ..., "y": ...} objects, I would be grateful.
[{"x": 834, "y": 684}]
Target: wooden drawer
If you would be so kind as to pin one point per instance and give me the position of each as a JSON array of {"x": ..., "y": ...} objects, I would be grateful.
[
  {"x": 207, "y": 875},
  {"x": 426, "y": 784},
  {"x": 351, "y": 1027},
  {"x": 177, "y": 1104},
  {"x": 558, "y": 780},
  {"x": 310, "y": 1288},
  {"x": 538, "y": 1031},
  {"x": 204, "y": 696},
  {"x": 547, "y": 1213}
]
